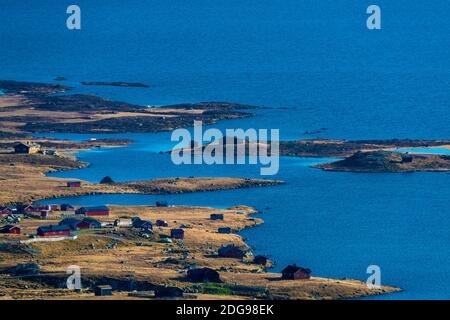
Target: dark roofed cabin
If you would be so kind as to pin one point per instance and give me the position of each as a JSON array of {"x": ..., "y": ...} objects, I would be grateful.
[
  {"x": 70, "y": 222},
  {"x": 35, "y": 209},
  {"x": 89, "y": 223},
  {"x": 103, "y": 291},
  {"x": 293, "y": 272},
  {"x": 45, "y": 214},
  {"x": 177, "y": 233},
  {"x": 10, "y": 229},
  {"x": 203, "y": 275},
  {"x": 66, "y": 207},
  {"x": 260, "y": 260},
  {"x": 169, "y": 292},
  {"x": 5, "y": 211},
  {"x": 73, "y": 184},
  {"x": 216, "y": 216},
  {"x": 93, "y": 211},
  {"x": 161, "y": 223},
  {"x": 53, "y": 231},
  {"x": 143, "y": 224},
  {"x": 224, "y": 230}
]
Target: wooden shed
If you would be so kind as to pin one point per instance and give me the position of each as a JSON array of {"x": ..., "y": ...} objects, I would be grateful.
[
  {"x": 53, "y": 231},
  {"x": 10, "y": 229},
  {"x": 216, "y": 216},
  {"x": 103, "y": 290},
  {"x": 177, "y": 233},
  {"x": 93, "y": 211},
  {"x": 203, "y": 275}
]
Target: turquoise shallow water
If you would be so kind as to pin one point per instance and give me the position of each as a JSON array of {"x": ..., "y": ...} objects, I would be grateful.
[
  {"x": 318, "y": 66},
  {"x": 426, "y": 150}
]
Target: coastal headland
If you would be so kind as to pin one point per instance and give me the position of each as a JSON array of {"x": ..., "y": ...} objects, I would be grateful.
[{"x": 24, "y": 179}]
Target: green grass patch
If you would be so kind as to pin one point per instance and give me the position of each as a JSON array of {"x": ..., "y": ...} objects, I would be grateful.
[{"x": 216, "y": 288}]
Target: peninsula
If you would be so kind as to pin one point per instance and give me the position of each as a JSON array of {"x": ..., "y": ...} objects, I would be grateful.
[{"x": 30, "y": 107}]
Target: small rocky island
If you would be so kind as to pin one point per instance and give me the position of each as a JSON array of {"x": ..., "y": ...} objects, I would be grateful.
[
  {"x": 387, "y": 161},
  {"x": 115, "y": 84}
]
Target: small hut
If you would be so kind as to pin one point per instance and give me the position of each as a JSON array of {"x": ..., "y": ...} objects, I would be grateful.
[
  {"x": 169, "y": 292},
  {"x": 177, "y": 234},
  {"x": 224, "y": 230},
  {"x": 294, "y": 272},
  {"x": 203, "y": 275},
  {"x": 161, "y": 223},
  {"x": 73, "y": 184},
  {"x": 103, "y": 290},
  {"x": 216, "y": 216}
]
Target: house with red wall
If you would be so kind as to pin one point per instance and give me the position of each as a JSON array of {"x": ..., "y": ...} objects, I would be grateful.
[
  {"x": 10, "y": 229},
  {"x": 4, "y": 211},
  {"x": 77, "y": 224},
  {"x": 36, "y": 209},
  {"x": 74, "y": 184},
  {"x": 93, "y": 211},
  {"x": 53, "y": 231},
  {"x": 89, "y": 223}
]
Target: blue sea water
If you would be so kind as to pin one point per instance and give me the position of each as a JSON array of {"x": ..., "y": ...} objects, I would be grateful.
[{"x": 317, "y": 66}]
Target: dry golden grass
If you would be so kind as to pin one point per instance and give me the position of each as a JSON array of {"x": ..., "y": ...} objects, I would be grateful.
[{"x": 92, "y": 251}]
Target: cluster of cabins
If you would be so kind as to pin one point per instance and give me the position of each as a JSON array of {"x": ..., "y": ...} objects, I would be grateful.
[
  {"x": 70, "y": 224},
  {"x": 82, "y": 218},
  {"x": 71, "y": 218},
  {"x": 44, "y": 211},
  {"x": 78, "y": 219}
]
